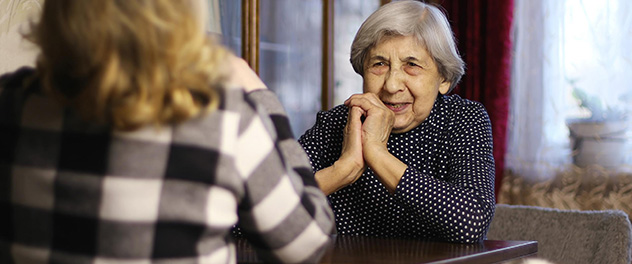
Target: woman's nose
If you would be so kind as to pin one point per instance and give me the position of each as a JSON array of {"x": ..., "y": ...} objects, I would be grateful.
[{"x": 394, "y": 81}]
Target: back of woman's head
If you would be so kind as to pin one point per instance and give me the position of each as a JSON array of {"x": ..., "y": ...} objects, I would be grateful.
[{"x": 128, "y": 63}]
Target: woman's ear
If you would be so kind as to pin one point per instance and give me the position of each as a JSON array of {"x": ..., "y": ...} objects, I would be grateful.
[{"x": 444, "y": 87}]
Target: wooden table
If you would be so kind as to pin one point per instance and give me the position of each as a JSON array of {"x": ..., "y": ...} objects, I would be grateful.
[{"x": 358, "y": 249}]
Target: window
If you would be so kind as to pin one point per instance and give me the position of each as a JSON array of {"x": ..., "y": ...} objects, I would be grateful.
[
  {"x": 349, "y": 15},
  {"x": 565, "y": 49},
  {"x": 225, "y": 19},
  {"x": 291, "y": 57},
  {"x": 596, "y": 44},
  {"x": 290, "y": 49}
]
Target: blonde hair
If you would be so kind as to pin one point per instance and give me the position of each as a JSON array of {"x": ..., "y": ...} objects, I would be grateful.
[{"x": 128, "y": 63}]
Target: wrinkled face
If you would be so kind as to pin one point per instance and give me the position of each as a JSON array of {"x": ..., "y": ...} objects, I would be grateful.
[{"x": 404, "y": 76}]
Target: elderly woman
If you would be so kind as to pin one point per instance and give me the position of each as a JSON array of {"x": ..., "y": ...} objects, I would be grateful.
[{"x": 404, "y": 159}]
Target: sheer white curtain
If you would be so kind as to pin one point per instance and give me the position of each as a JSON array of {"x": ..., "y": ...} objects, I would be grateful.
[{"x": 556, "y": 42}]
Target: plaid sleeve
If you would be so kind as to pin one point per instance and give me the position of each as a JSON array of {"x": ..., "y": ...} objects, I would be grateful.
[
  {"x": 71, "y": 192},
  {"x": 291, "y": 150},
  {"x": 284, "y": 215}
]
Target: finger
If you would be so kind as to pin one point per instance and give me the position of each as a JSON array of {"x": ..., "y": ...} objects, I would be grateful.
[
  {"x": 365, "y": 101},
  {"x": 355, "y": 116},
  {"x": 354, "y": 122},
  {"x": 352, "y": 97}
]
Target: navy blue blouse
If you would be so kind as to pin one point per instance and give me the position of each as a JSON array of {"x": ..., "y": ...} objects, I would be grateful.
[{"x": 447, "y": 191}]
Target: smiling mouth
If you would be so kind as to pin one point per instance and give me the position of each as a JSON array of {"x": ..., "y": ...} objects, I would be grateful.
[{"x": 396, "y": 107}]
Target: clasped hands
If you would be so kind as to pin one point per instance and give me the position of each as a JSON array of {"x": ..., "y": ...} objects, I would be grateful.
[{"x": 366, "y": 135}]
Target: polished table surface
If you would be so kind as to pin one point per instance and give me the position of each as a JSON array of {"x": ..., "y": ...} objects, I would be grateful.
[{"x": 358, "y": 249}]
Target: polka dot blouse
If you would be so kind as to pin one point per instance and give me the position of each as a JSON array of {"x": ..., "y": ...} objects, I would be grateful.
[{"x": 447, "y": 192}]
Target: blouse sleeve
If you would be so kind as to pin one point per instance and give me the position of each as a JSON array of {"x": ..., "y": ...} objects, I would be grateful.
[
  {"x": 323, "y": 142},
  {"x": 460, "y": 206},
  {"x": 284, "y": 214}
]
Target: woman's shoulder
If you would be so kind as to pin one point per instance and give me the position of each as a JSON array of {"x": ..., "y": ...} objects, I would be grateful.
[
  {"x": 15, "y": 77},
  {"x": 237, "y": 102},
  {"x": 336, "y": 112},
  {"x": 19, "y": 79},
  {"x": 458, "y": 101},
  {"x": 328, "y": 124},
  {"x": 236, "y": 110},
  {"x": 15, "y": 88},
  {"x": 334, "y": 117},
  {"x": 456, "y": 106}
]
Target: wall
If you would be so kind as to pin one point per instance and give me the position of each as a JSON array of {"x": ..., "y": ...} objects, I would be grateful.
[{"x": 14, "y": 17}]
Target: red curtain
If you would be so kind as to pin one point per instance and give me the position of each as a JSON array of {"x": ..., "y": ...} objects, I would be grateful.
[{"x": 482, "y": 29}]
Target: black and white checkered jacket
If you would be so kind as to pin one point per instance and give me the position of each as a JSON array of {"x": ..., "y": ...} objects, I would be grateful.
[{"x": 76, "y": 192}]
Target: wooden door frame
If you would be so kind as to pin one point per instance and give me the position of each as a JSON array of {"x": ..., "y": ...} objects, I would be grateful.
[{"x": 250, "y": 32}]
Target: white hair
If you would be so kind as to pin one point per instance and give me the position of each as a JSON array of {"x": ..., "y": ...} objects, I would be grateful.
[{"x": 425, "y": 22}]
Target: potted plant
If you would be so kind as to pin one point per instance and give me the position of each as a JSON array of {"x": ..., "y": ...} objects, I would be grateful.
[{"x": 603, "y": 137}]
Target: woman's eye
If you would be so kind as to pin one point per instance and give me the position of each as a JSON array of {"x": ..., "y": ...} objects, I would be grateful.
[
  {"x": 378, "y": 68},
  {"x": 412, "y": 68}
]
